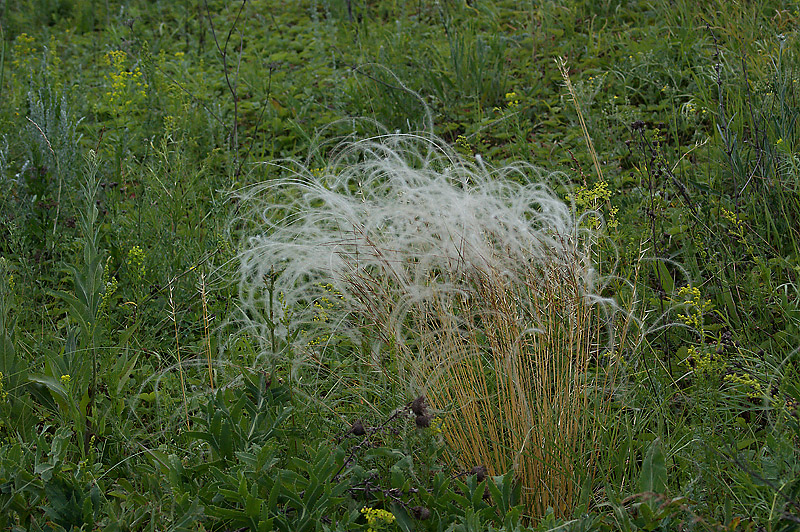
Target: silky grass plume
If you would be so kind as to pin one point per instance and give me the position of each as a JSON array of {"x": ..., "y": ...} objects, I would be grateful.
[{"x": 474, "y": 286}]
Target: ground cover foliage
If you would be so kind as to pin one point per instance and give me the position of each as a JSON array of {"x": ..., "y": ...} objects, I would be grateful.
[{"x": 399, "y": 265}]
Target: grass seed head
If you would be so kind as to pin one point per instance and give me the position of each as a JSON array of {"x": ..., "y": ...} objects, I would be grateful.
[{"x": 387, "y": 228}]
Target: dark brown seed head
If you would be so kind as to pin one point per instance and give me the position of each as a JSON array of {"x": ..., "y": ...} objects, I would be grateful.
[
  {"x": 480, "y": 472},
  {"x": 423, "y": 422},
  {"x": 419, "y": 406},
  {"x": 358, "y": 428},
  {"x": 420, "y": 512}
]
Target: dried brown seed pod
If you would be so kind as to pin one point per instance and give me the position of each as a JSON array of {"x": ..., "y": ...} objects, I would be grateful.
[
  {"x": 420, "y": 512},
  {"x": 480, "y": 472},
  {"x": 357, "y": 429},
  {"x": 419, "y": 406},
  {"x": 423, "y": 422}
]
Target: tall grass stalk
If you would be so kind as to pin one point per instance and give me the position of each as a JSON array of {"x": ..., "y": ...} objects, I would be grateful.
[
  {"x": 174, "y": 317},
  {"x": 464, "y": 284},
  {"x": 562, "y": 67},
  {"x": 207, "y": 334},
  {"x": 510, "y": 365},
  {"x": 58, "y": 171},
  {"x": 2, "y": 55}
]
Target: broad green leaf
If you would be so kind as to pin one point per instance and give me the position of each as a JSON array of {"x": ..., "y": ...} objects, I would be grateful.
[
  {"x": 403, "y": 520},
  {"x": 56, "y": 389},
  {"x": 123, "y": 375},
  {"x": 664, "y": 277},
  {"x": 653, "y": 476}
]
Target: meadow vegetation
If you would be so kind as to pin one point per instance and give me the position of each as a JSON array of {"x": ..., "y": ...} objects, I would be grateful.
[{"x": 399, "y": 265}]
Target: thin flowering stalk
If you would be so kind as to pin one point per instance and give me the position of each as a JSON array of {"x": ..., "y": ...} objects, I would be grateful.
[
  {"x": 205, "y": 328},
  {"x": 562, "y": 67},
  {"x": 174, "y": 317}
]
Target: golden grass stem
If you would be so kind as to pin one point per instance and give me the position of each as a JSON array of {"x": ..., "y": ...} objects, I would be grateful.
[{"x": 516, "y": 393}]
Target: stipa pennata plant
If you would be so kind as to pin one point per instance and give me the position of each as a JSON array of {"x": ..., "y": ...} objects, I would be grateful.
[{"x": 452, "y": 279}]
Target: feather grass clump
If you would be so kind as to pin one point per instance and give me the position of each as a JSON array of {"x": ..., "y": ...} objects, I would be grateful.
[{"x": 472, "y": 285}]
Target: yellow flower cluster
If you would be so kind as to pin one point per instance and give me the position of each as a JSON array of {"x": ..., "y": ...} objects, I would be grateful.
[
  {"x": 437, "y": 426},
  {"x": 512, "y": 99},
  {"x": 224, "y": 244},
  {"x": 753, "y": 386},
  {"x": 3, "y": 392},
  {"x": 589, "y": 197},
  {"x": 23, "y": 50},
  {"x": 52, "y": 52},
  {"x": 738, "y": 226},
  {"x": 319, "y": 340},
  {"x": 127, "y": 86},
  {"x": 700, "y": 245},
  {"x": 706, "y": 364},
  {"x": 731, "y": 217},
  {"x": 592, "y": 198},
  {"x": 512, "y": 102},
  {"x": 325, "y": 304},
  {"x": 690, "y": 108},
  {"x": 170, "y": 125},
  {"x": 695, "y": 307},
  {"x": 463, "y": 145},
  {"x": 136, "y": 258},
  {"x": 377, "y": 518},
  {"x": 321, "y": 310}
]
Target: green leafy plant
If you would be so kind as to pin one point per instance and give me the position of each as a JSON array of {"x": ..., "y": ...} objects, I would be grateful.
[{"x": 69, "y": 385}]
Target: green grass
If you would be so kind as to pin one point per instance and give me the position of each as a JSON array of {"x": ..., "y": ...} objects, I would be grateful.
[{"x": 239, "y": 240}]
